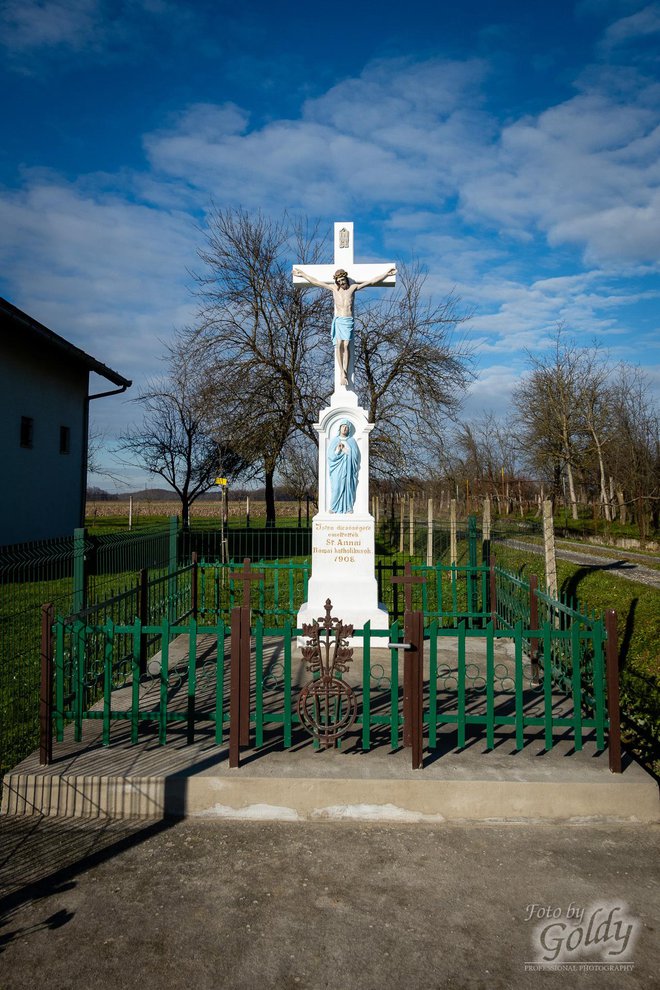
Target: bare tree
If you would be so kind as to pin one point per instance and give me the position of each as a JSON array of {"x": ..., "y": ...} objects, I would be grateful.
[
  {"x": 579, "y": 415},
  {"x": 486, "y": 452},
  {"x": 635, "y": 446},
  {"x": 299, "y": 469},
  {"x": 174, "y": 441},
  {"x": 410, "y": 370},
  {"x": 547, "y": 401},
  {"x": 258, "y": 338}
]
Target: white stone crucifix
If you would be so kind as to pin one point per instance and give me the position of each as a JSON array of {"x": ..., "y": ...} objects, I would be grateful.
[{"x": 343, "y": 278}]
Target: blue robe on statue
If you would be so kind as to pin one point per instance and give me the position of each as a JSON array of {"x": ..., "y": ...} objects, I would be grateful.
[{"x": 344, "y": 467}]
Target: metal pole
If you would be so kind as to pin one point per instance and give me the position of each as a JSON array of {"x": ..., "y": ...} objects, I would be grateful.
[
  {"x": 613, "y": 710},
  {"x": 194, "y": 604},
  {"x": 235, "y": 689},
  {"x": 46, "y": 690},
  {"x": 143, "y": 615},
  {"x": 493, "y": 590},
  {"x": 534, "y": 624},
  {"x": 413, "y": 687},
  {"x": 429, "y": 533}
]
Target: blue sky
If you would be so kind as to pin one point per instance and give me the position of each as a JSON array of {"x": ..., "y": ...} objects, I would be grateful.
[{"x": 512, "y": 147}]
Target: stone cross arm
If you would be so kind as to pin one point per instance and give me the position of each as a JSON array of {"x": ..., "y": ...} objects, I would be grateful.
[
  {"x": 344, "y": 258},
  {"x": 356, "y": 273}
]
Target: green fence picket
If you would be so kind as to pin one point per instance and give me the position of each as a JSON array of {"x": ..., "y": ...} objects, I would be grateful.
[
  {"x": 109, "y": 633},
  {"x": 433, "y": 685},
  {"x": 547, "y": 683},
  {"x": 59, "y": 680},
  {"x": 192, "y": 678},
  {"x": 288, "y": 712},
  {"x": 394, "y": 689},
  {"x": 576, "y": 677},
  {"x": 220, "y": 682},
  {"x": 520, "y": 711},
  {"x": 490, "y": 685},
  {"x": 366, "y": 688},
  {"x": 79, "y": 662},
  {"x": 461, "y": 684},
  {"x": 164, "y": 681},
  {"x": 259, "y": 683},
  {"x": 135, "y": 685}
]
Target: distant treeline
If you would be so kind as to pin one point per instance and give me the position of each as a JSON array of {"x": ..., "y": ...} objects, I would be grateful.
[{"x": 166, "y": 495}]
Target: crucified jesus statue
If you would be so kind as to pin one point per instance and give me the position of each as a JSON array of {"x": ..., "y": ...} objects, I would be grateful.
[{"x": 343, "y": 322}]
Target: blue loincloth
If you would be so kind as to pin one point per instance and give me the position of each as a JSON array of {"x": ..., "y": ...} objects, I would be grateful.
[{"x": 342, "y": 328}]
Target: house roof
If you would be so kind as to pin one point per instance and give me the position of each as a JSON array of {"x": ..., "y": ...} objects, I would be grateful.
[{"x": 42, "y": 335}]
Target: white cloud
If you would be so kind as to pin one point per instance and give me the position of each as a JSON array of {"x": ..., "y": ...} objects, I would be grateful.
[
  {"x": 108, "y": 274},
  {"x": 393, "y": 135},
  {"x": 585, "y": 173},
  {"x": 33, "y": 32},
  {"x": 642, "y": 23},
  {"x": 403, "y": 137},
  {"x": 33, "y": 24}
]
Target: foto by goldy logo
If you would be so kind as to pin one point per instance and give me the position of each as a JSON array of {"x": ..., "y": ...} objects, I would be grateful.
[{"x": 598, "y": 937}]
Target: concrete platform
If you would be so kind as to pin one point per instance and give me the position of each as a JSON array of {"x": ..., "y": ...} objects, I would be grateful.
[{"x": 302, "y": 784}]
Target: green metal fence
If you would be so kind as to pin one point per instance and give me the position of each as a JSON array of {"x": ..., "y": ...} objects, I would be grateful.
[
  {"x": 72, "y": 573},
  {"x": 149, "y": 575},
  {"x": 179, "y": 691}
]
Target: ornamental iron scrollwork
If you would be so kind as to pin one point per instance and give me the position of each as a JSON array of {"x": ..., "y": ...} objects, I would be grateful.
[{"x": 327, "y": 706}]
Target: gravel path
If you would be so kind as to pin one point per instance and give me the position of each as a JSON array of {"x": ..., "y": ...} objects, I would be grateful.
[{"x": 621, "y": 566}]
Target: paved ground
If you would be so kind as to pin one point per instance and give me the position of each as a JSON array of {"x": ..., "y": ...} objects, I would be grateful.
[
  {"x": 250, "y": 905},
  {"x": 620, "y": 564}
]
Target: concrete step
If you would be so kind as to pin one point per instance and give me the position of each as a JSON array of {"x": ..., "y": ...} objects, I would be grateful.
[{"x": 473, "y": 785}]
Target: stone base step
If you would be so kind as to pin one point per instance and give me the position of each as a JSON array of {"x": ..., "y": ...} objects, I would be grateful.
[{"x": 330, "y": 786}]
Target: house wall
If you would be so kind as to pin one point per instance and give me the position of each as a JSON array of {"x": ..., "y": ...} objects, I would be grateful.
[{"x": 41, "y": 489}]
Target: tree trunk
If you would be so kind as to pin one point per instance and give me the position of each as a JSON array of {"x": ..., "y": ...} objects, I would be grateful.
[
  {"x": 185, "y": 512},
  {"x": 270, "y": 498},
  {"x": 623, "y": 513},
  {"x": 605, "y": 502},
  {"x": 571, "y": 491}
]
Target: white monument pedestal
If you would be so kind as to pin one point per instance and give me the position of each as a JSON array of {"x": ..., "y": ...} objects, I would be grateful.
[
  {"x": 343, "y": 544},
  {"x": 343, "y": 570}
]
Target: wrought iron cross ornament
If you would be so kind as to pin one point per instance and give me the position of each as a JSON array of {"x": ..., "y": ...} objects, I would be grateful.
[{"x": 327, "y": 705}]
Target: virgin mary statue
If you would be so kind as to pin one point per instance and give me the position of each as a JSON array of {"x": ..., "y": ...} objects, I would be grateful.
[{"x": 344, "y": 464}]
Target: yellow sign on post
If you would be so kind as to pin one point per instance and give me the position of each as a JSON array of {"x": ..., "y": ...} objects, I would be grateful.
[{"x": 221, "y": 481}]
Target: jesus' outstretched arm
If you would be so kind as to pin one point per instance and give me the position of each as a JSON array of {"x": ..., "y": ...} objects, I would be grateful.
[
  {"x": 299, "y": 273},
  {"x": 376, "y": 279}
]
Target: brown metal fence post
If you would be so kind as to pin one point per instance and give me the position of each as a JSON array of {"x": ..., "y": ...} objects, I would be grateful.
[
  {"x": 407, "y": 684},
  {"x": 235, "y": 689},
  {"x": 612, "y": 659},
  {"x": 534, "y": 624},
  {"x": 244, "y": 734},
  {"x": 46, "y": 689},
  {"x": 413, "y": 669},
  {"x": 414, "y": 681}
]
